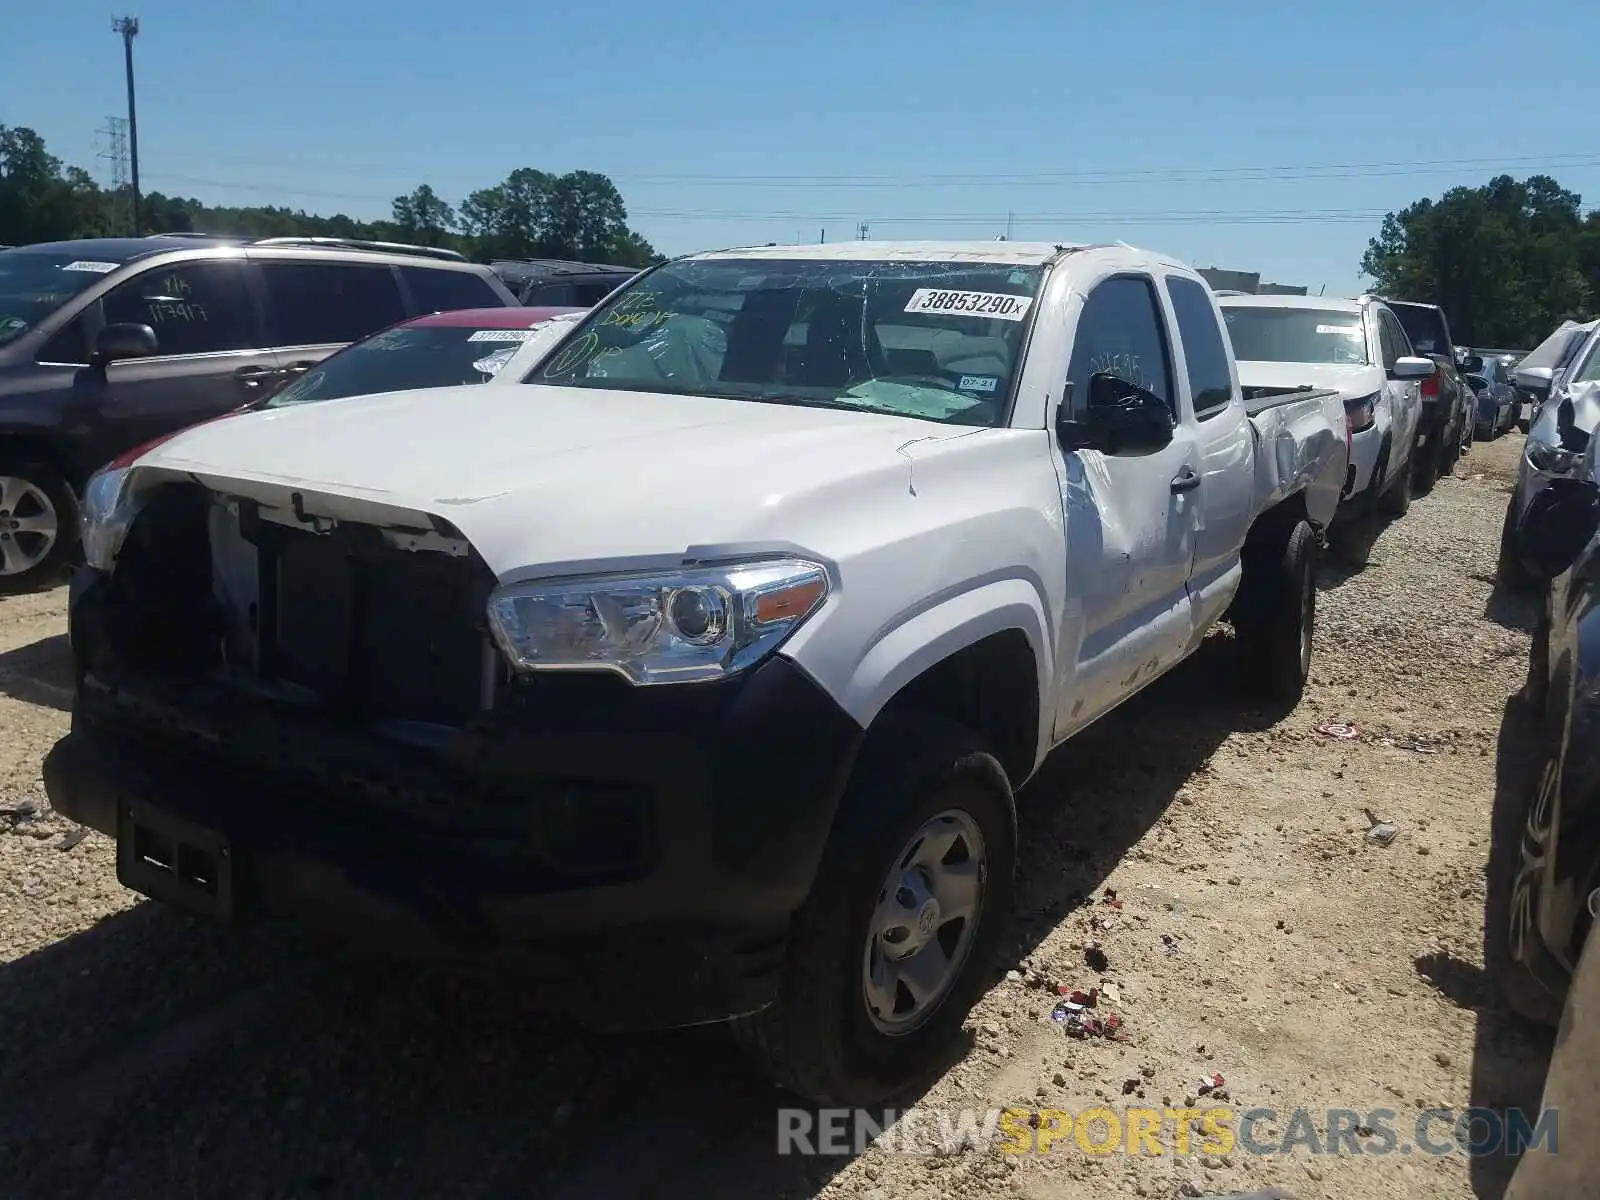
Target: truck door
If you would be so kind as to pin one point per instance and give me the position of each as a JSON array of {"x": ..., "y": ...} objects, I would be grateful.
[
  {"x": 1130, "y": 518},
  {"x": 1405, "y": 397},
  {"x": 1226, "y": 447}
]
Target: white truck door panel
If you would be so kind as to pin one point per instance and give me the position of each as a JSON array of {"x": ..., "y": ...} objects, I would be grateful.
[
  {"x": 1130, "y": 519},
  {"x": 1226, "y": 447},
  {"x": 1404, "y": 396}
]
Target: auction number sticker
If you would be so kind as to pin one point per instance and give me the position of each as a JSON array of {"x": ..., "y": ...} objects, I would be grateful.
[
  {"x": 503, "y": 335},
  {"x": 98, "y": 268},
  {"x": 969, "y": 304}
]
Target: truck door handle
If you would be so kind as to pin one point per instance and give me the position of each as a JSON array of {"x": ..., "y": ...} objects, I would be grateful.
[
  {"x": 1186, "y": 480},
  {"x": 253, "y": 377},
  {"x": 299, "y": 368}
]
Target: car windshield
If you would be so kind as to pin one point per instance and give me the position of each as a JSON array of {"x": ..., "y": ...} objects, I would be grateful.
[
  {"x": 33, "y": 284},
  {"x": 425, "y": 356},
  {"x": 938, "y": 341},
  {"x": 1296, "y": 335}
]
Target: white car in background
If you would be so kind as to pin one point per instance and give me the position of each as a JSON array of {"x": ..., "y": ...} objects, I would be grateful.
[{"x": 1358, "y": 348}]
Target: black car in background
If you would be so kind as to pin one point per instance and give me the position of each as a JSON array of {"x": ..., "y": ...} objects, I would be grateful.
[
  {"x": 1546, "y": 869},
  {"x": 107, "y": 343},
  {"x": 1449, "y": 407},
  {"x": 556, "y": 283}
]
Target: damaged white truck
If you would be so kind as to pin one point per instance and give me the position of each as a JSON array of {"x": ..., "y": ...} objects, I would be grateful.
[{"x": 711, "y": 657}]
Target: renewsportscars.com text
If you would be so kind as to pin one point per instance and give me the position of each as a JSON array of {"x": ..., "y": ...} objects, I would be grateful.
[{"x": 1217, "y": 1130}]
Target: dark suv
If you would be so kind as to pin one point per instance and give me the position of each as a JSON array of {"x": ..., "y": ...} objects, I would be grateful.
[
  {"x": 1449, "y": 405},
  {"x": 107, "y": 343},
  {"x": 554, "y": 283}
]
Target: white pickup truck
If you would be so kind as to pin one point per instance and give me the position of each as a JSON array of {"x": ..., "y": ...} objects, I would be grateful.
[{"x": 698, "y": 674}]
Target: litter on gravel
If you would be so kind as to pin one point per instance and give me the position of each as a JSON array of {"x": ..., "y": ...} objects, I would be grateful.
[{"x": 1343, "y": 730}]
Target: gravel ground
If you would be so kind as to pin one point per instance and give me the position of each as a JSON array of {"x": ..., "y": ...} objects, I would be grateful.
[{"x": 1260, "y": 935}]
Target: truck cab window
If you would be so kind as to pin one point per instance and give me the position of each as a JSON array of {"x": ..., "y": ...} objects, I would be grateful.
[
  {"x": 1120, "y": 332},
  {"x": 1204, "y": 353}
]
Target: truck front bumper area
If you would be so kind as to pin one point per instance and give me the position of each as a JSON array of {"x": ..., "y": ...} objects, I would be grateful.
[{"x": 638, "y": 852}]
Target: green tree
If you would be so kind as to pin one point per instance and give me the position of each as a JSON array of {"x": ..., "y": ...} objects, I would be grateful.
[
  {"x": 1507, "y": 261},
  {"x": 423, "y": 218}
]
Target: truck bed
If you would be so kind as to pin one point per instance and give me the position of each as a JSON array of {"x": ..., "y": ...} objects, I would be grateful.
[{"x": 1301, "y": 443}]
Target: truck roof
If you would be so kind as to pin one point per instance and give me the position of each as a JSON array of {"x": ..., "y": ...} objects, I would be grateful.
[
  {"x": 1322, "y": 303},
  {"x": 1031, "y": 254}
]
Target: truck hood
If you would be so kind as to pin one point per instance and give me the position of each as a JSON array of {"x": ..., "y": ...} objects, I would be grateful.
[
  {"x": 540, "y": 479},
  {"x": 1345, "y": 379}
]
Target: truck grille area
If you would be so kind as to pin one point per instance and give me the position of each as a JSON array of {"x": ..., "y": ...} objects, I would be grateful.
[
  {"x": 373, "y": 631},
  {"x": 343, "y": 672}
]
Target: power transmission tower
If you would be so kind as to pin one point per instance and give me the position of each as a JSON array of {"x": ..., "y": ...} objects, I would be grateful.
[
  {"x": 128, "y": 28},
  {"x": 861, "y": 231},
  {"x": 115, "y": 151}
]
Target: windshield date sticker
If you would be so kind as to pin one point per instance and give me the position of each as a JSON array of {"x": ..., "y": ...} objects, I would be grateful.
[
  {"x": 979, "y": 383},
  {"x": 998, "y": 305},
  {"x": 501, "y": 335},
  {"x": 97, "y": 268},
  {"x": 1347, "y": 330}
]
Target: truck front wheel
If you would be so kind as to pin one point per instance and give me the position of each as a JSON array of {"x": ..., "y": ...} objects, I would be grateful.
[
  {"x": 895, "y": 943},
  {"x": 1276, "y": 611}
]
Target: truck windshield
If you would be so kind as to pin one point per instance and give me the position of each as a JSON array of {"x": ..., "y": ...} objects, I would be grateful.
[
  {"x": 938, "y": 341},
  {"x": 1296, "y": 335},
  {"x": 34, "y": 284}
]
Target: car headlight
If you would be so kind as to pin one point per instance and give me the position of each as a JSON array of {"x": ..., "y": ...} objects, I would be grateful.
[
  {"x": 105, "y": 516},
  {"x": 667, "y": 627},
  {"x": 1551, "y": 460}
]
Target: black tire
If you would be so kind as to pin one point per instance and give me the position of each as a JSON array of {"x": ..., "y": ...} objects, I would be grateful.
[
  {"x": 1276, "y": 610},
  {"x": 1510, "y": 572},
  {"x": 1425, "y": 466},
  {"x": 1528, "y": 976},
  {"x": 41, "y": 480},
  {"x": 1396, "y": 501},
  {"x": 819, "y": 1040}
]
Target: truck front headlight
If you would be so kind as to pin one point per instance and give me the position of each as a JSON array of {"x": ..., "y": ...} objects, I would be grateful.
[
  {"x": 667, "y": 627},
  {"x": 1551, "y": 460},
  {"x": 105, "y": 516}
]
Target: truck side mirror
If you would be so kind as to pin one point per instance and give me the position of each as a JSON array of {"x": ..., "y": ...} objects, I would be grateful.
[
  {"x": 1561, "y": 521},
  {"x": 1121, "y": 418},
  {"x": 1535, "y": 379},
  {"x": 1412, "y": 366},
  {"x": 124, "y": 340}
]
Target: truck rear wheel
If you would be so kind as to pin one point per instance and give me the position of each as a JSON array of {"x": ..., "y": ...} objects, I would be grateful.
[
  {"x": 894, "y": 945},
  {"x": 1276, "y": 611}
]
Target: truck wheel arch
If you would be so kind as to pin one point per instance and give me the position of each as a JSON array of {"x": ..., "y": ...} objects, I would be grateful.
[{"x": 982, "y": 658}]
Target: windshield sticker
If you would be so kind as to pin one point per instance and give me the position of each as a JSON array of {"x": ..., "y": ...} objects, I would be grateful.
[
  {"x": 1348, "y": 330},
  {"x": 97, "y": 268},
  {"x": 11, "y": 324},
  {"x": 979, "y": 383},
  {"x": 969, "y": 304},
  {"x": 491, "y": 365},
  {"x": 501, "y": 335}
]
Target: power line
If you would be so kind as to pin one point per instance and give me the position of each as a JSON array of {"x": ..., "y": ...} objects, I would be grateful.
[
  {"x": 1219, "y": 216},
  {"x": 1291, "y": 172}
]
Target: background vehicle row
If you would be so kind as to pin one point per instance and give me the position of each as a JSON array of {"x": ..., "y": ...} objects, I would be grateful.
[{"x": 105, "y": 344}]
